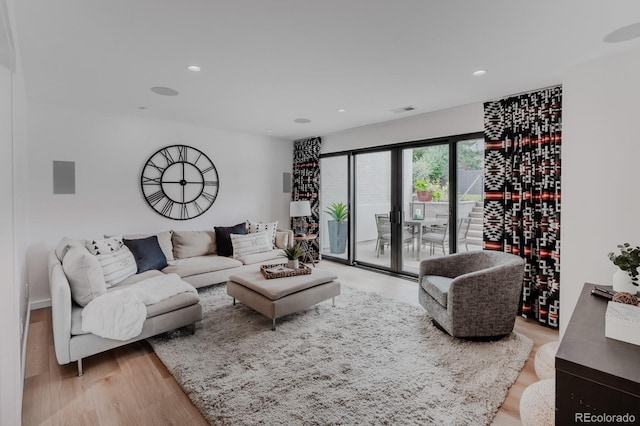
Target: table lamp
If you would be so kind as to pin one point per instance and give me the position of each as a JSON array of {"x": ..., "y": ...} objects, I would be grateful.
[{"x": 300, "y": 209}]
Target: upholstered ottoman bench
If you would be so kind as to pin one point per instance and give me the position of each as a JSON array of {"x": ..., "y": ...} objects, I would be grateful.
[{"x": 277, "y": 297}]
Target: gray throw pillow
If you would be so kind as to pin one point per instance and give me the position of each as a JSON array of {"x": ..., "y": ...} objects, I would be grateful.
[
  {"x": 193, "y": 243},
  {"x": 223, "y": 237},
  {"x": 147, "y": 253},
  {"x": 164, "y": 239}
]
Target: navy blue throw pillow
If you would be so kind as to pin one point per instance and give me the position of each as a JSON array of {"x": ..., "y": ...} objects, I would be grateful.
[
  {"x": 223, "y": 237},
  {"x": 147, "y": 253}
]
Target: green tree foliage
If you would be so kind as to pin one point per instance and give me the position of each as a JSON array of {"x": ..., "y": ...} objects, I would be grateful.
[
  {"x": 470, "y": 155},
  {"x": 432, "y": 162}
]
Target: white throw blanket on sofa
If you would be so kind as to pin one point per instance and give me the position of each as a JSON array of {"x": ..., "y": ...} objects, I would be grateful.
[{"x": 120, "y": 314}]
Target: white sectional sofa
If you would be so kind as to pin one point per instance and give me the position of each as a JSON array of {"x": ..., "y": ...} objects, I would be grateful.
[{"x": 192, "y": 255}]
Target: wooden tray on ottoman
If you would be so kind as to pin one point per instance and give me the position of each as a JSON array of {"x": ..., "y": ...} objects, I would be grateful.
[{"x": 302, "y": 270}]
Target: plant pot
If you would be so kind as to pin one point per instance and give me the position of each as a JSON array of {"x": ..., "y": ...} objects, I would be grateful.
[
  {"x": 622, "y": 283},
  {"x": 338, "y": 236},
  {"x": 293, "y": 264},
  {"x": 424, "y": 195}
]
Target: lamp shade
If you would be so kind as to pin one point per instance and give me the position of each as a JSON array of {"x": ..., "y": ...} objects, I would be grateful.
[{"x": 300, "y": 208}]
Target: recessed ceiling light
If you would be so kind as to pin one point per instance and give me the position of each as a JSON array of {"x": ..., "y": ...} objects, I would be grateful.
[
  {"x": 341, "y": 110},
  {"x": 164, "y": 91},
  {"x": 269, "y": 130},
  {"x": 302, "y": 120},
  {"x": 479, "y": 73},
  {"x": 625, "y": 33},
  {"x": 194, "y": 68}
]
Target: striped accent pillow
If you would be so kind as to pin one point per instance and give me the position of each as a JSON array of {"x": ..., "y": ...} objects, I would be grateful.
[
  {"x": 117, "y": 266},
  {"x": 243, "y": 245},
  {"x": 270, "y": 228},
  {"x": 108, "y": 245}
]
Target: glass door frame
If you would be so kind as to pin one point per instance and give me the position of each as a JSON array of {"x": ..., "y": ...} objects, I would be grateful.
[
  {"x": 350, "y": 222},
  {"x": 396, "y": 196},
  {"x": 395, "y": 228}
]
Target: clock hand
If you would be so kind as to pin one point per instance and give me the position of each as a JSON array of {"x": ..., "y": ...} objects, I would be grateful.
[{"x": 181, "y": 182}]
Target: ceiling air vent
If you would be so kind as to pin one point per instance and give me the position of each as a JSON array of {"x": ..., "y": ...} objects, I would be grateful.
[{"x": 403, "y": 109}]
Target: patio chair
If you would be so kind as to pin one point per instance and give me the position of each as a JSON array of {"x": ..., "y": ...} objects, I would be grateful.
[
  {"x": 439, "y": 235},
  {"x": 463, "y": 231},
  {"x": 383, "y": 226}
]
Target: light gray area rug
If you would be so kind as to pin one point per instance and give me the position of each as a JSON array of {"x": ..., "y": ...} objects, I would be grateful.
[{"x": 368, "y": 360}]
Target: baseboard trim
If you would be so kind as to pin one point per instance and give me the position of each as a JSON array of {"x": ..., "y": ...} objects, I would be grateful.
[{"x": 39, "y": 304}]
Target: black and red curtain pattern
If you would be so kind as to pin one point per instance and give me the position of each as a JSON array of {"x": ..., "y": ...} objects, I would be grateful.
[
  {"x": 523, "y": 135},
  {"x": 306, "y": 183}
]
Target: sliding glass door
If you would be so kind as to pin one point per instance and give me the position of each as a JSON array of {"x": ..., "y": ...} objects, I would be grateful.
[
  {"x": 372, "y": 206},
  {"x": 470, "y": 190},
  {"x": 425, "y": 202},
  {"x": 406, "y": 202},
  {"x": 334, "y": 178}
]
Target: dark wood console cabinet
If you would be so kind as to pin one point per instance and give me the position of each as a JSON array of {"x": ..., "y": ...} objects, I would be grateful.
[{"x": 595, "y": 374}]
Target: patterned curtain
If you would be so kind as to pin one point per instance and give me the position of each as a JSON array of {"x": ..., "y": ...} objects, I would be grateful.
[
  {"x": 523, "y": 135},
  {"x": 306, "y": 183}
]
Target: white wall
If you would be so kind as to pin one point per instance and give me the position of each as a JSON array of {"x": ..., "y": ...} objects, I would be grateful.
[
  {"x": 110, "y": 151},
  {"x": 448, "y": 122},
  {"x": 13, "y": 225},
  {"x": 9, "y": 308},
  {"x": 600, "y": 157},
  {"x": 21, "y": 189}
]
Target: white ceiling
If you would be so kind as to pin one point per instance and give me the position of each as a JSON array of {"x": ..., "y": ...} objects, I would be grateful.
[{"x": 268, "y": 62}]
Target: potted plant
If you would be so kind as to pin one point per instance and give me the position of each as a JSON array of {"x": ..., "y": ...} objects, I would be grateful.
[
  {"x": 338, "y": 227},
  {"x": 626, "y": 277},
  {"x": 293, "y": 253},
  {"x": 439, "y": 192},
  {"x": 424, "y": 189},
  {"x": 436, "y": 194}
]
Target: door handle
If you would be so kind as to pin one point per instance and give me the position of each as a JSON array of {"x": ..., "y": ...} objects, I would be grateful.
[{"x": 395, "y": 216}]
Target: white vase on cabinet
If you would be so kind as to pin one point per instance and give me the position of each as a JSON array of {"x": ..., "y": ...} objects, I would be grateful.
[{"x": 622, "y": 282}]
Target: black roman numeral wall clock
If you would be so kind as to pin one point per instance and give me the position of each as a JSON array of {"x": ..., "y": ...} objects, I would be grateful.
[{"x": 179, "y": 182}]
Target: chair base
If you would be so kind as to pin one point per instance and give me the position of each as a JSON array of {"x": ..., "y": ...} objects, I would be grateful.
[{"x": 471, "y": 338}]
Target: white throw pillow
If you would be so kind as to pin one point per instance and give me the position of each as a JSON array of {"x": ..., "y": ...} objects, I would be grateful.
[
  {"x": 282, "y": 240},
  {"x": 270, "y": 228},
  {"x": 117, "y": 266},
  {"x": 84, "y": 274},
  {"x": 250, "y": 244},
  {"x": 65, "y": 244}
]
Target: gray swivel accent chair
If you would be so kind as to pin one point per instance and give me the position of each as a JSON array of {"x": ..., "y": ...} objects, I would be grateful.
[{"x": 474, "y": 294}]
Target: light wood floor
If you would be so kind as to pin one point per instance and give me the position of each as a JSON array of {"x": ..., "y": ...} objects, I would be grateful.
[{"x": 130, "y": 386}]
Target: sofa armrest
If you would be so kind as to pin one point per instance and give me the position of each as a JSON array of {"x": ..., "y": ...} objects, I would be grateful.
[
  {"x": 288, "y": 239},
  {"x": 60, "y": 309}
]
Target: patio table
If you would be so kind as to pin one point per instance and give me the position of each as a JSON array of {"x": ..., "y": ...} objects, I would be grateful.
[{"x": 421, "y": 223}]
